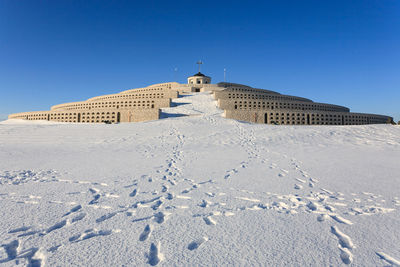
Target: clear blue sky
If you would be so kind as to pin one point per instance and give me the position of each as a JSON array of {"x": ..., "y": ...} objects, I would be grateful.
[{"x": 339, "y": 52}]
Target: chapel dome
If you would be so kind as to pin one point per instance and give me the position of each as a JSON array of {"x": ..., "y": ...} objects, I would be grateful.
[{"x": 199, "y": 74}]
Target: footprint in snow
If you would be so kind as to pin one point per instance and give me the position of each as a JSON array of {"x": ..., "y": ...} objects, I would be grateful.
[
  {"x": 297, "y": 186},
  {"x": 20, "y": 229},
  {"x": 197, "y": 243},
  {"x": 159, "y": 217},
  {"x": 56, "y": 226},
  {"x": 105, "y": 217},
  {"x": 164, "y": 189},
  {"x": 156, "y": 205},
  {"x": 209, "y": 221},
  {"x": 11, "y": 250},
  {"x": 204, "y": 203},
  {"x": 78, "y": 217},
  {"x": 154, "y": 256},
  {"x": 133, "y": 193},
  {"x": 146, "y": 233},
  {"x": 74, "y": 209},
  {"x": 95, "y": 199}
]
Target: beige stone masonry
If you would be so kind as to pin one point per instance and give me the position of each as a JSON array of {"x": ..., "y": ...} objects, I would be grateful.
[{"x": 274, "y": 104}]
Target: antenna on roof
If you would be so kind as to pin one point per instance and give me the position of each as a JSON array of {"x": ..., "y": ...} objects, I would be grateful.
[
  {"x": 225, "y": 75},
  {"x": 175, "y": 71},
  {"x": 199, "y": 63}
]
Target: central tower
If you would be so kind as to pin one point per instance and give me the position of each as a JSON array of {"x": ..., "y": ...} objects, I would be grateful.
[{"x": 199, "y": 78}]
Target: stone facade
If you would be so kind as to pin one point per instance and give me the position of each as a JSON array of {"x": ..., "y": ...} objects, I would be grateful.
[
  {"x": 240, "y": 102},
  {"x": 244, "y": 103},
  {"x": 199, "y": 79},
  {"x": 134, "y": 105}
]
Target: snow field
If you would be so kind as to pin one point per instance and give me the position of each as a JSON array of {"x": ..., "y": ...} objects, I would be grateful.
[{"x": 197, "y": 189}]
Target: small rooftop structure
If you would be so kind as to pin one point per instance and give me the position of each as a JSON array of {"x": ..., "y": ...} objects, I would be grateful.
[
  {"x": 199, "y": 78},
  {"x": 199, "y": 74}
]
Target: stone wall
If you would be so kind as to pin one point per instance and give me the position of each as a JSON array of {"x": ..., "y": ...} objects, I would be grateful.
[
  {"x": 128, "y": 106},
  {"x": 274, "y": 104},
  {"x": 262, "y": 106},
  {"x": 290, "y": 117},
  {"x": 118, "y": 104},
  {"x": 92, "y": 116},
  {"x": 232, "y": 93}
]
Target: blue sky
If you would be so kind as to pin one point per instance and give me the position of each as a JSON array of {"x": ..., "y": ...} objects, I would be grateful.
[{"x": 339, "y": 52}]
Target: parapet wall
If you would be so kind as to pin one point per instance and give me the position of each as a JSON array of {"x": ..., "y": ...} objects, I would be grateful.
[
  {"x": 128, "y": 106},
  {"x": 136, "y": 95},
  {"x": 259, "y": 106},
  {"x": 290, "y": 117},
  {"x": 92, "y": 116},
  {"x": 274, "y": 104},
  {"x": 118, "y": 104},
  {"x": 243, "y": 94}
]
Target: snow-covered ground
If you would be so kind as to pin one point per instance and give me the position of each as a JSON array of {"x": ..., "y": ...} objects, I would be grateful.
[{"x": 196, "y": 189}]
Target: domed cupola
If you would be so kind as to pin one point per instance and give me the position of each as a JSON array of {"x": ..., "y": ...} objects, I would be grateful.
[{"x": 199, "y": 78}]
